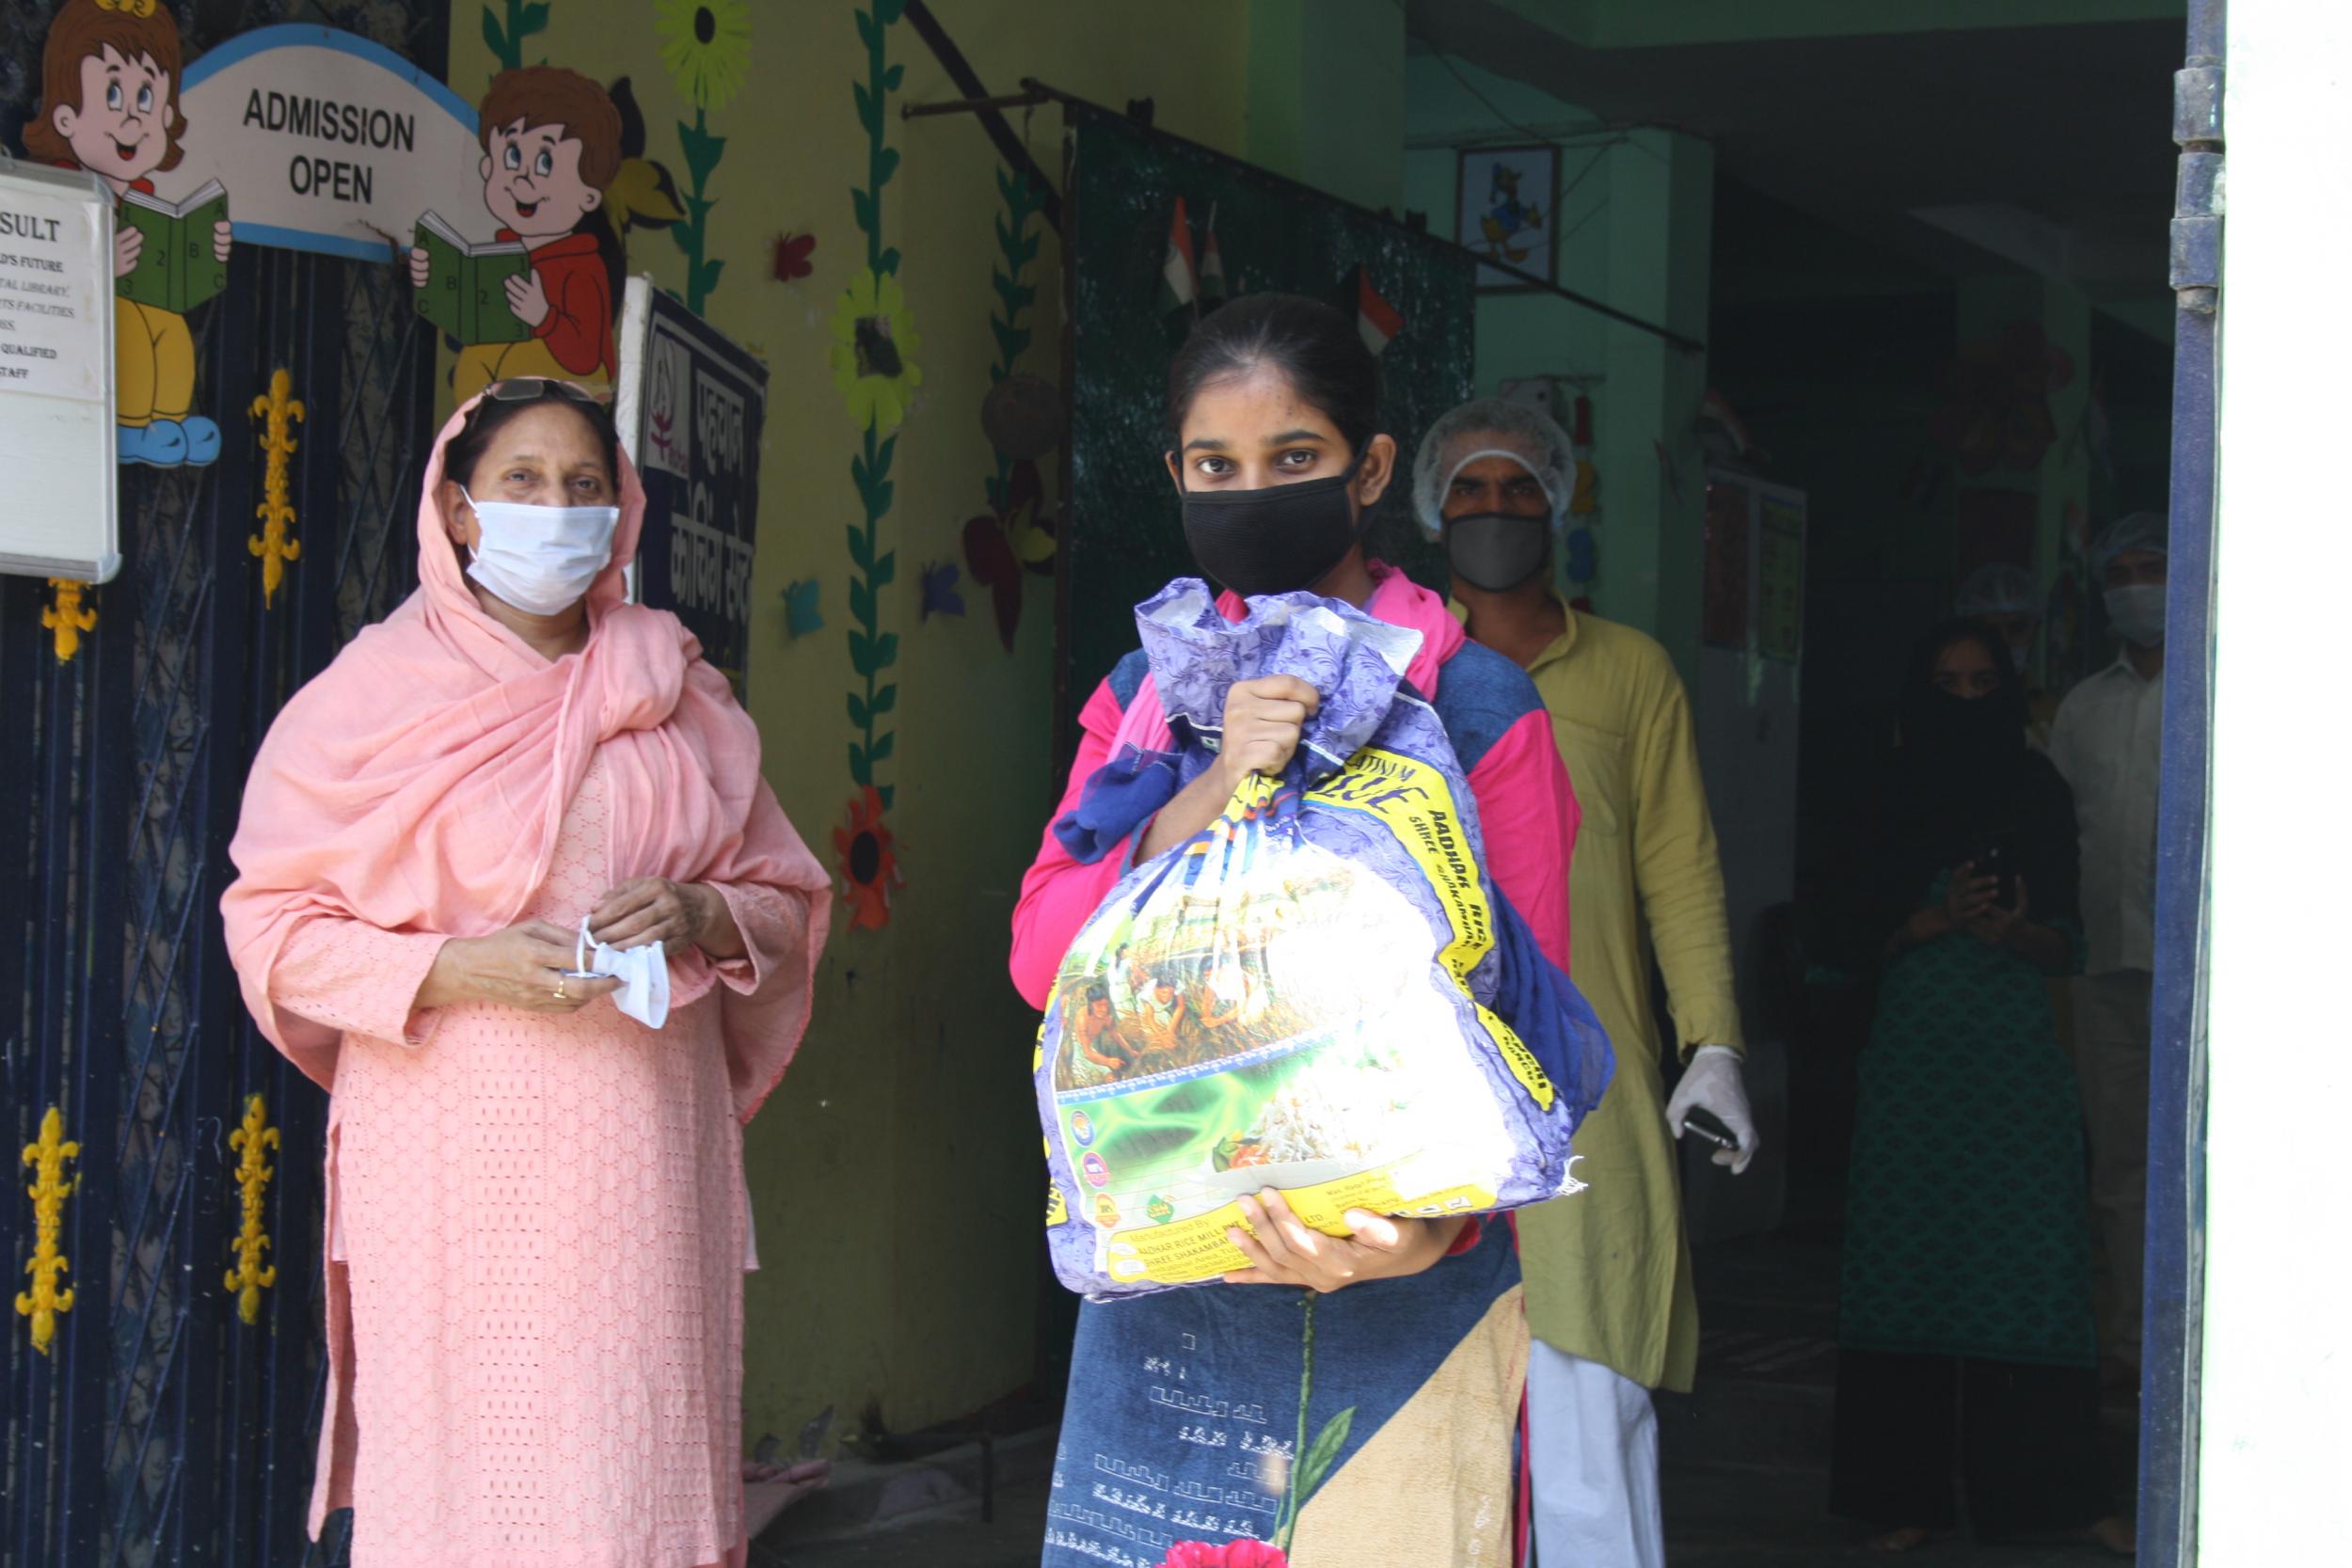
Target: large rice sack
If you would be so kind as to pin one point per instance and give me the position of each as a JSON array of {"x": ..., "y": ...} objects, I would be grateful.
[{"x": 1322, "y": 993}]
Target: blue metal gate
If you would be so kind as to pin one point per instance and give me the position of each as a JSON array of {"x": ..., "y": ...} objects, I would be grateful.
[
  {"x": 166, "y": 1412},
  {"x": 2173, "y": 1333}
]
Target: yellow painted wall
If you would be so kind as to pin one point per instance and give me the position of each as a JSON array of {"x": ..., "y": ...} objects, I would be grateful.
[{"x": 894, "y": 1178}]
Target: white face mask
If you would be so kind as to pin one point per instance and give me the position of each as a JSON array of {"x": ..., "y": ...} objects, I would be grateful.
[
  {"x": 643, "y": 971},
  {"x": 2137, "y": 613},
  {"x": 541, "y": 558}
]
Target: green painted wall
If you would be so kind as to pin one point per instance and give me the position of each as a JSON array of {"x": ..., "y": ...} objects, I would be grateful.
[
  {"x": 1638, "y": 24},
  {"x": 1634, "y": 215},
  {"x": 1327, "y": 95},
  {"x": 894, "y": 1176}
]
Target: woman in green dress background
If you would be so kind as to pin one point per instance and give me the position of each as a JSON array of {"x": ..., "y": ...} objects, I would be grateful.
[{"x": 1967, "y": 1353}]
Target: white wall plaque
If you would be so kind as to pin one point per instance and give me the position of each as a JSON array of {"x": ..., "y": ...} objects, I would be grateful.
[{"x": 56, "y": 373}]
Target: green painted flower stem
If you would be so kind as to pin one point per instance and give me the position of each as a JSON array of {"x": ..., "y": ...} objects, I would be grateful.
[
  {"x": 703, "y": 151},
  {"x": 1018, "y": 249},
  {"x": 871, "y": 650}
]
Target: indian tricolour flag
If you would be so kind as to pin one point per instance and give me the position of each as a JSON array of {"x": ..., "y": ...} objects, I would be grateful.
[
  {"x": 1180, "y": 279},
  {"x": 1376, "y": 319},
  {"x": 1212, "y": 290}
]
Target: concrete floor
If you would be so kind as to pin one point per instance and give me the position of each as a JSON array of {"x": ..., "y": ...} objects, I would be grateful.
[
  {"x": 1746, "y": 1459},
  {"x": 1715, "y": 1519}
]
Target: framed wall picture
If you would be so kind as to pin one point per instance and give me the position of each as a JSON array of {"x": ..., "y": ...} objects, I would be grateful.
[{"x": 1504, "y": 198}]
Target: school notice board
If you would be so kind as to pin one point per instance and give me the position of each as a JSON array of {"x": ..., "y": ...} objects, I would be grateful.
[
  {"x": 58, "y": 374},
  {"x": 1123, "y": 533},
  {"x": 690, "y": 403}
]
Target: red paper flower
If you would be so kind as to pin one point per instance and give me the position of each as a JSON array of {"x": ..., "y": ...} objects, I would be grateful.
[
  {"x": 999, "y": 546},
  {"x": 1232, "y": 1554},
  {"x": 792, "y": 253},
  {"x": 869, "y": 862}
]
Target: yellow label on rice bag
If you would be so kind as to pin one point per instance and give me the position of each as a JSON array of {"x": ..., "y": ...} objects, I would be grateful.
[
  {"x": 1411, "y": 798},
  {"x": 1185, "y": 1252}
]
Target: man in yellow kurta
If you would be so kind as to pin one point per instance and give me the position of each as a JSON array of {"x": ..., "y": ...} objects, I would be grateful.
[{"x": 1610, "y": 1302}]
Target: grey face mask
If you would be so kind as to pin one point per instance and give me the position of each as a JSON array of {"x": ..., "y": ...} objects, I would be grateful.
[
  {"x": 1497, "y": 551},
  {"x": 2137, "y": 613}
]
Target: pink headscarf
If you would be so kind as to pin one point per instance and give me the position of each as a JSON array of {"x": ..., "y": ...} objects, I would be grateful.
[{"x": 420, "y": 783}]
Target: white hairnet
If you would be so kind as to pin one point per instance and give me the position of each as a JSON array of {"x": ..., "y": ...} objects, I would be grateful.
[
  {"x": 2000, "y": 589},
  {"x": 2136, "y": 530},
  {"x": 1487, "y": 427}
]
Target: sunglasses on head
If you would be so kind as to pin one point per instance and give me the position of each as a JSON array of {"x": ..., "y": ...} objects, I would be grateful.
[{"x": 532, "y": 388}]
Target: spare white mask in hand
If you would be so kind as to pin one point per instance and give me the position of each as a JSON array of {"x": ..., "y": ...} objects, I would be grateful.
[{"x": 643, "y": 973}]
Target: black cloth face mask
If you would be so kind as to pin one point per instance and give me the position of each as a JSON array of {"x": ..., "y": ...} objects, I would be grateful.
[
  {"x": 1281, "y": 539},
  {"x": 1497, "y": 551}
]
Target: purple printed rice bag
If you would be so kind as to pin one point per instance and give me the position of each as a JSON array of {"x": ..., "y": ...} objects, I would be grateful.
[{"x": 1322, "y": 993}]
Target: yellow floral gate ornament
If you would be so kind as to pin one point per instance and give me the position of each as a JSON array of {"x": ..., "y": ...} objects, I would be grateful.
[
  {"x": 50, "y": 1189},
  {"x": 68, "y": 618},
  {"x": 275, "y": 546},
  {"x": 253, "y": 1138}
]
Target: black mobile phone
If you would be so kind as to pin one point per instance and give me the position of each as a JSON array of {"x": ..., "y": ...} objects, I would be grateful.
[
  {"x": 1996, "y": 856},
  {"x": 1704, "y": 1123}
]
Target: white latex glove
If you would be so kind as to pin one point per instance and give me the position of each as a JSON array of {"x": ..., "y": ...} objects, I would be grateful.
[{"x": 1713, "y": 1082}]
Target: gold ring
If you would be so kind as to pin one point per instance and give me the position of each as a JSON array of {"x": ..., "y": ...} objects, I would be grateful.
[{"x": 559, "y": 989}]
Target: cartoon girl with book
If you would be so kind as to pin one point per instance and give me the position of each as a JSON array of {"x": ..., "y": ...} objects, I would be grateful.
[{"x": 110, "y": 104}]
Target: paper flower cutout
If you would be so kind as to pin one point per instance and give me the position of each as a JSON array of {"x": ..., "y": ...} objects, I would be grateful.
[
  {"x": 705, "y": 46},
  {"x": 800, "y": 614},
  {"x": 873, "y": 347},
  {"x": 792, "y": 253},
  {"x": 868, "y": 860},
  {"x": 938, "y": 590},
  {"x": 999, "y": 546},
  {"x": 643, "y": 194}
]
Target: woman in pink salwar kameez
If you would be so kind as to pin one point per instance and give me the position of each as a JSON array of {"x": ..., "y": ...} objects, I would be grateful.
[{"x": 536, "y": 1217}]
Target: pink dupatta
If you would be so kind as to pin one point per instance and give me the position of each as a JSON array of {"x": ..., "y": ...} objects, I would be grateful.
[{"x": 418, "y": 785}]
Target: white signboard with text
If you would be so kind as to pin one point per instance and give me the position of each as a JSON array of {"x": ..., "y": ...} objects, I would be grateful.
[
  {"x": 691, "y": 403},
  {"x": 328, "y": 142},
  {"x": 56, "y": 374}
]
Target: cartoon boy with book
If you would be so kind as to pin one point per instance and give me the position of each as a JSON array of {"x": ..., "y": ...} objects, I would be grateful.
[
  {"x": 539, "y": 299},
  {"x": 110, "y": 104}
]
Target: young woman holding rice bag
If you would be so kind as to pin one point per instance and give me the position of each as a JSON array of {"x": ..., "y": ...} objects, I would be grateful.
[{"x": 1342, "y": 1399}]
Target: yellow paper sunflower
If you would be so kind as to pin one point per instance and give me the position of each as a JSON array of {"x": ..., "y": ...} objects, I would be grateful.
[
  {"x": 706, "y": 45},
  {"x": 873, "y": 351}
]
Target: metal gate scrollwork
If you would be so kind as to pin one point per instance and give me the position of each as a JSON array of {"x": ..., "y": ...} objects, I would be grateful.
[{"x": 165, "y": 1364}]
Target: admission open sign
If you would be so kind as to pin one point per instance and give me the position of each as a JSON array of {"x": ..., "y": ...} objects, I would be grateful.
[{"x": 327, "y": 142}]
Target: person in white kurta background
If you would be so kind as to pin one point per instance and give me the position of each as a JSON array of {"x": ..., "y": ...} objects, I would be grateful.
[{"x": 2108, "y": 744}]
